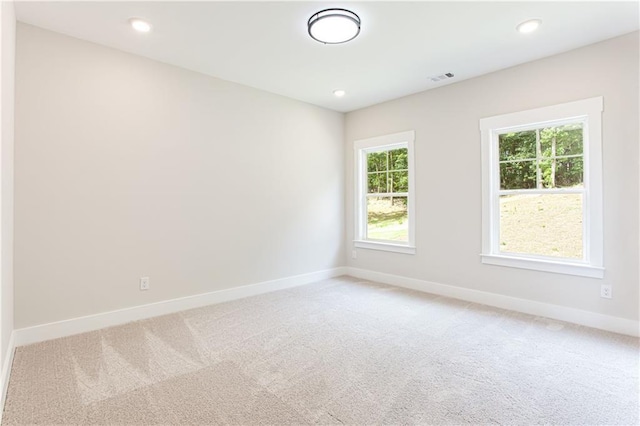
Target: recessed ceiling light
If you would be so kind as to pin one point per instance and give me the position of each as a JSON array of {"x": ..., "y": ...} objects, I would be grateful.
[
  {"x": 334, "y": 26},
  {"x": 529, "y": 26},
  {"x": 140, "y": 25},
  {"x": 339, "y": 93}
]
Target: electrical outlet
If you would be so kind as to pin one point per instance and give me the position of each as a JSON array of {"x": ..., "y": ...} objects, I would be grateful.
[
  {"x": 354, "y": 254},
  {"x": 144, "y": 283},
  {"x": 605, "y": 291}
]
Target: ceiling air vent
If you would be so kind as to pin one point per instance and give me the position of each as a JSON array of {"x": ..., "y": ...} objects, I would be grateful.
[{"x": 441, "y": 77}]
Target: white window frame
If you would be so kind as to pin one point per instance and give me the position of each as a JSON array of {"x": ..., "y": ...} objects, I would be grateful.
[
  {"x": 589, "y": 111},
  {"x": 377, "y": 144}
]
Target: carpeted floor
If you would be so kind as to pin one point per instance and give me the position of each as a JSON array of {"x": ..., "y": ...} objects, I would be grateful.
[{"x": 338, "y": 351}]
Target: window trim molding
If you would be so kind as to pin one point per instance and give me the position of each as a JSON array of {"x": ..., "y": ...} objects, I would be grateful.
[
  {"x": 589, "y": 110},
  {"x": 384, "y": 246},
  {"x": 376, "y": 144}
]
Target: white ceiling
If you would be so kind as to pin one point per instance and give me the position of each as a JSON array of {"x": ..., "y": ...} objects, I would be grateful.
[{"x": 266, "y": 45}]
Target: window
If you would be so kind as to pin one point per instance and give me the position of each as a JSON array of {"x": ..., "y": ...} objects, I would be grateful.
[
  {"x": 384, "y": 193},
  {"x": 542, "y": 189}
]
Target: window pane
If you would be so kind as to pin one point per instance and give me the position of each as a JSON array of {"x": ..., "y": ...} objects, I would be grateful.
[
  {"x": 561, "y": 140},
  {"x": 387, "y": 219},
  {"x": 547, "y": 225},
  {"x": 569, "y": 172},
  {"x": 398, "y": 159},
  {"x": 377, "y": 161},
  {"x": 399, "y": 181},
  {"x": 562, "y": 172},
  {"x": 518, "y": 175},
  {"x": 516, "y": 146},
  {"x": 377, "y": 182}
]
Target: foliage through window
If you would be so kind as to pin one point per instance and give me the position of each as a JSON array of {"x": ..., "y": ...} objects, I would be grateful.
[
  {"x": 384, "y": 200},
  {"x": 387, "y": 191},
  {"x": 549, "y": 157},
  {"x": 544, "y": 222},
  {"x": 542, "y": 189}
]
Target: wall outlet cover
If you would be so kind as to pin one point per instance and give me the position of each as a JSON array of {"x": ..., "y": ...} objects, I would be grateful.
[{"x": 144, "y": 283}]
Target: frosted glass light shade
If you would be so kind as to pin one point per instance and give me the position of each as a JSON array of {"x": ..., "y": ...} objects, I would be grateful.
[{"x": 334, "y": 26}]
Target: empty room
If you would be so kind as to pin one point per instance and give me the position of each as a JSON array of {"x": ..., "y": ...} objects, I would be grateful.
[{"x": 319, "y": 213}]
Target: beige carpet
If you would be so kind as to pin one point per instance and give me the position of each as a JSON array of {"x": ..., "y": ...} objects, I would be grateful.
[{"x": 338, "y": 351}]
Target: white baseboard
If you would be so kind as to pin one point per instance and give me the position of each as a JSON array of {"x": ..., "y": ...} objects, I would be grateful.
[
  {"x": 561, "y": 313},
  {"x": 5, "y": 375},
  {"x": 54, "y": 330}
]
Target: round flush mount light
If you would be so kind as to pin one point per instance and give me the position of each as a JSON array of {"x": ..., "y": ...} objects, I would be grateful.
[
  {"x": 339, "y": 93},
  {"x": 334, "y": 26},
  {"x": 140, "y": 25},
  {"x": 529, "y": 26}
]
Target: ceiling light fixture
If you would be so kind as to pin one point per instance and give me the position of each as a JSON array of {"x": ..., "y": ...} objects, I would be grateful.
[
  {"x": 339, "y": 93},
  {"x": 529, "y": 26},
  {"x": 140, "y": 25},
  {"x": 334, "y": 26}
]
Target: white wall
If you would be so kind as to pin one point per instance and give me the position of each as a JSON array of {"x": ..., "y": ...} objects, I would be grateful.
[
  {"x": 448, "y": 187},
  {"x": 126, "y": 167},
  {"x": 7, "y": 72}
]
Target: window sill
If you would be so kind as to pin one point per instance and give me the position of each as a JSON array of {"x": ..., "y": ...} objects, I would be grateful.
[
  {"x": 396, "y": 248},
  {"x": 559, "y": 267}
]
